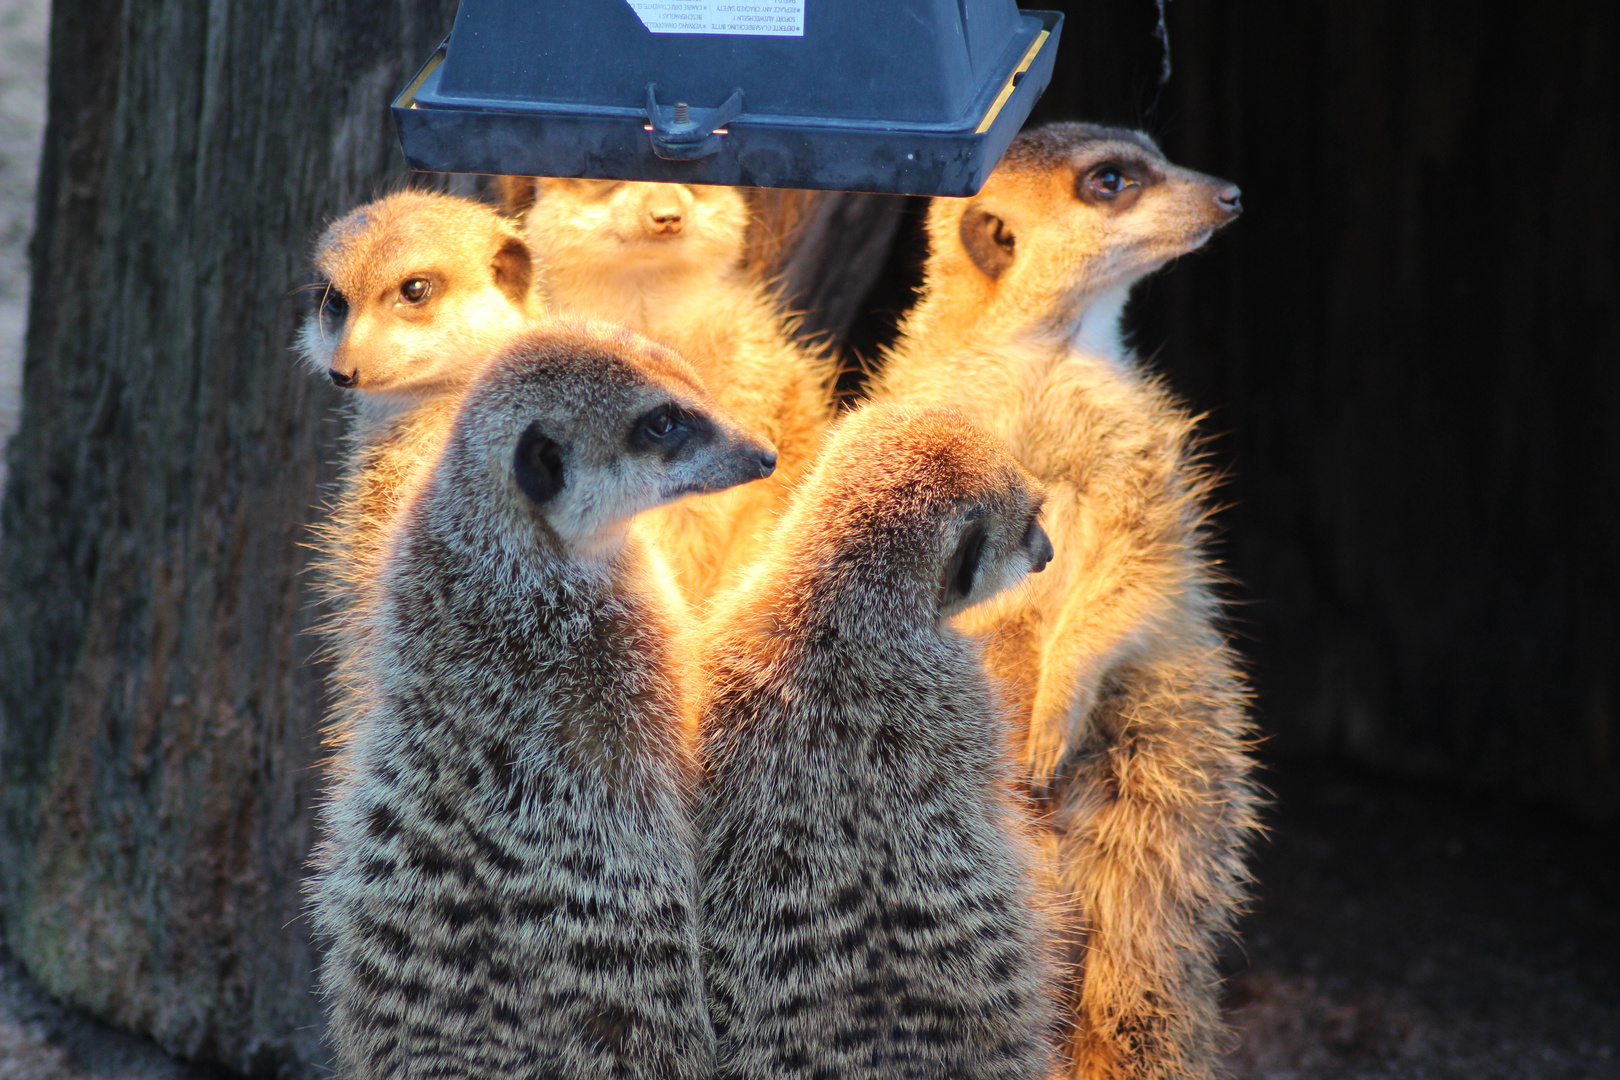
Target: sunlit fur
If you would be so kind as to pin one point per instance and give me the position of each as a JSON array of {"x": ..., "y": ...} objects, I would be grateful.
[
  {"x": 409, "y": 364},
  {"x": 507, "y": 888},
  {"x": 871, "y": 898},
  {"x": 1137, "y": 729},
  {"x": 665, "y": 260},
  {"x": 397, "y": 352}
]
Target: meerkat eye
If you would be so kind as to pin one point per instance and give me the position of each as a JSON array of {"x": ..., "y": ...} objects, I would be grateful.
[
  {"x": 1109, "y": 180},
  {"x": 415, "y": 290},
  {"x": 661, "y": 423}
]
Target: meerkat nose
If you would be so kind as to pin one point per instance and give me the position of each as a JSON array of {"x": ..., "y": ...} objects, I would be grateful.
[
  {"x": 348, "y": 380},
  {"x": 1230, "y": 199},
  {"x": 767, "y": 463},
  {"x": 1041, "y": 551}
]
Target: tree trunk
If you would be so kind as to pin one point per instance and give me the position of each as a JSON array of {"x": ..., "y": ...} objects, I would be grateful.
[{"x": 159, "y": 704}]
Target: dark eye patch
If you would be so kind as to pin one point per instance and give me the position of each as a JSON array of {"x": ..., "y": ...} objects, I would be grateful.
[
  {"x": 1114, "y": 184},
  {"x": 667, "y": 429},
  {"x": 334, "y": 304}
]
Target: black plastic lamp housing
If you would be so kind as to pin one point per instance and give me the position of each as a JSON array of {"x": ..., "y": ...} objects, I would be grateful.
[{"x": 916, "y": 97}]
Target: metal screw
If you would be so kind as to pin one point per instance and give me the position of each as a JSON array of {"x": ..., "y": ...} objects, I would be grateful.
[{"x": 683, "y": 113}]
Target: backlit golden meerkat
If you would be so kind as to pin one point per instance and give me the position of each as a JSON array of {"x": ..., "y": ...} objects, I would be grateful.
[
  {"x": 418, "y": 290},
  {"x": 508, "y": 885},
  {"x": 870, "y": 899},
  {"x": 665, "y": 260},
  {"x": 1137, "y": 736}
]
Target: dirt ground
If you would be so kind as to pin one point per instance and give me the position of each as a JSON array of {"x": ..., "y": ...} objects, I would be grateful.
[
  {"x": 1399, "y": 933},
  {"x": 1409, "y": 933},
  {"x": 40, "y": 1040}
]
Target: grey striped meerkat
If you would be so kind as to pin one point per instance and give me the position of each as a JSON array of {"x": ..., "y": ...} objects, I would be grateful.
[
  {"x": 1137, "y": 732},
  {"x": 870, "y": 897},
  {"x": 416, "y": 292},
  {"x": 508, "y": 884},
  {"x": 666, "y": 260}
]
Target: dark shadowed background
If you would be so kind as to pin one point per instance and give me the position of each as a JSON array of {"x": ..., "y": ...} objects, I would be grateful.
[{"x": 1409, "y": 352}]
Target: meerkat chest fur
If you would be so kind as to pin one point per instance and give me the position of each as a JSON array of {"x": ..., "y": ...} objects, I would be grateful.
[
  {"x": 516, "y": 868},
  {"x": 571, "y": 657}
]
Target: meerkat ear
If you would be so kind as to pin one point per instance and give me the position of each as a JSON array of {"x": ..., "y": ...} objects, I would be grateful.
[
  {"x": 538, "y": 465},
  {"x": 513, "y": 269},
  {"x": 963, "y": 569},
  {"x": 516, "y": 194},
  {"x": 988, "y": 241}
]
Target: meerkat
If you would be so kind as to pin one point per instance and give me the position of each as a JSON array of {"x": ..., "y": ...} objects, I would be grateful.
[
  {"x": 1137, "y": 733},
  {"x": 665, "y": 260},
  {"x": 508, "y": 886},
  {"x": 869, "y": 899},
  {"x": 417, "y": 290}
]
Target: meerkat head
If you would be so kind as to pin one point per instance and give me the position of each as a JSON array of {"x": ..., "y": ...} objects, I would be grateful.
[
  {"x": 579, "y": 427},
  {"x": 1073, "y": 210},
  {"x": 932, "y": 504},
  {"x": 417, "y": 290},
  {"x": 602, "y": 234}
]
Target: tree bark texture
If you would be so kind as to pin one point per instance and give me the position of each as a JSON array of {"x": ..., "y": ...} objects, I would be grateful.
[{"x": 160, "y": 707}]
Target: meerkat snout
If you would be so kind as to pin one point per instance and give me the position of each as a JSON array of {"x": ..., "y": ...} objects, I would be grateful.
[
  {"x": 664, "y": 206},
  {"x": 1230, "y": 199},
  {"x": 723, "y": 455},
  {"x": 1039, "y": 545},
  {"x": 999, "y": 543}
]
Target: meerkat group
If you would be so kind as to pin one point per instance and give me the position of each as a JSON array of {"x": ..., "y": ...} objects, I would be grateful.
[{"x": 685, "y": 728}]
